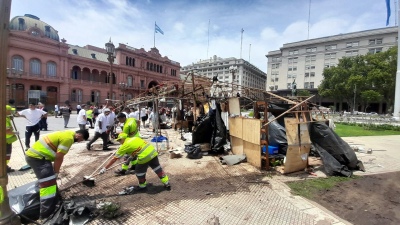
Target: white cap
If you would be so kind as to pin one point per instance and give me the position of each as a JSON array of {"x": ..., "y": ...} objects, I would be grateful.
[{"x": 107, "y": 110}]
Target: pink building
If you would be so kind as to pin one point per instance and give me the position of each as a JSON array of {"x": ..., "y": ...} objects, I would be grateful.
[{"x": 41, "y": 67}]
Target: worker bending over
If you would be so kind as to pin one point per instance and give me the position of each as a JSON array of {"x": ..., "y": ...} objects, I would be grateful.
[
  {"x": 51, "y": 148},
  {"x": 146, "y": 156},
  {"x": 130, "y": 128}
]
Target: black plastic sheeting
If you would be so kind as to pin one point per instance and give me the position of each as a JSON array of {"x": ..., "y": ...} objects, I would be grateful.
[
  {"x": 326, "y": 140},
  {"x": 25, "y": 201},
  {"x": 277, "y": 135},
  {"x": 331, "y": 165},
  {"x": 201, "y": 132},
  {"x": 211, "y": 129}
]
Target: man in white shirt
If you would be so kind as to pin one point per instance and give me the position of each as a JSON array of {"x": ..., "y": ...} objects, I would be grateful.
[
  {"x": 78, "y": 108},
  {"x": 55, "y": 111},
  {"x": 100, "y": 129},
  {"x": 33, "y": 115},
  {"x": 81, "y": 119},
  {"x": 143, "y": 116}
]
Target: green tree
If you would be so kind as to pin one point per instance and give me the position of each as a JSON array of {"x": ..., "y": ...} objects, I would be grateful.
[
  {"x": 303, "y": 93},
  {"x": 368, "y": 78}
]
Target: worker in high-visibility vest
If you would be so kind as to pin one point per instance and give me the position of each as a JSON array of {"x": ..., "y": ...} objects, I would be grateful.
[
  {"x": 147, "y": 156},
  {"x": 89, "y": 116},
  {"x": 130, "y": 128},
  {"x": 10, "y": 136},
  {"x": 48, "y": 149}
]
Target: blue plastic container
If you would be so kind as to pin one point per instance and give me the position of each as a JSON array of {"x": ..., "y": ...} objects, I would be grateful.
[{"x": 272, "y": 150}]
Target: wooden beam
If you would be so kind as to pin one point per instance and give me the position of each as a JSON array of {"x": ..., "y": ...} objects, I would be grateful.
[{"x": 289, "y": 110}]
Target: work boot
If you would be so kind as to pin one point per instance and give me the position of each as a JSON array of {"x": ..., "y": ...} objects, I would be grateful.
[
  {"x": 107, "y": 149},
  {"x": 140, "y": 189},
  {"x": 120, "y": 172},
  {"x": 10, "y": 170},
  {"x": 167, "y": 187},
  {"x": 88, "y": 147}
]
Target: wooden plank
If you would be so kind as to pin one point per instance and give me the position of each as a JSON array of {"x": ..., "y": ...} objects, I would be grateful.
[
  {"x": 251, "y": 130},
  {"x": 253, "y": 153},
  {"x": 237, "y": 145},
  {"x": 234, "y": 106},
  {"x": 291, "y": 126},
  {"x": 296, "y": 159},
  {"x": 236, "y": 126}
]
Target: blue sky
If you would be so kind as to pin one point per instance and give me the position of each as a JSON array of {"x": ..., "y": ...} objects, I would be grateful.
[{"x": 198, "y": 29}]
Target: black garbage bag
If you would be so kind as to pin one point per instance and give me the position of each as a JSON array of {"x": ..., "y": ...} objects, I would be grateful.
[
  {"x": 202, "y": 130},
  {"x": 326, "y": 138},
  {"x": 25, "y": 201},
  {"x": 331, "y": 165},
  {"x": 219, "y": 132},
  {"x": 277, "y": 135},
  {"x": 72, "y": 213},
  {"x": 193, "y": 151}
]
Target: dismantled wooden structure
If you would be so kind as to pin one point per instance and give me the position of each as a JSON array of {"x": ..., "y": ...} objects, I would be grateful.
[{"x": 247, "y": 135}]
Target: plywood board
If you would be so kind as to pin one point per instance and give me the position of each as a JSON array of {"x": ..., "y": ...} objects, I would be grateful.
[
  {"x": 253, "y": 153},
  {"x": 296, "y": 158},
  {"x": 251, "y": 130},
  {"x": 292, "y": 126},
  {"x": 237, "y": 145},
  {"x": 234, "y": 106},
  {"x": 236, "y": 127}
]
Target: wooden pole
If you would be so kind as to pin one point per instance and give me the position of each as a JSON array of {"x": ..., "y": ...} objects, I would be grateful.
[
  {"x": 194, "y": 99},
  {"x": 288, "y": 110},
  {"x": 7, "y": 216}
]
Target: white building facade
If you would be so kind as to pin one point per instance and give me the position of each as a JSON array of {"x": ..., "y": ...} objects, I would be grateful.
[
  {"x": 229, "y": 70},
  {"x": 304, "y": 61}
]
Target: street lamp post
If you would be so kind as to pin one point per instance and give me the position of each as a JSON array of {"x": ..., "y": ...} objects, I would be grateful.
[
  {"x": 233, "y": 70},
  {"x": 110, "y": 48},
  {"x": 15, "y": 73},
  {"x": 123, "y": 87}
]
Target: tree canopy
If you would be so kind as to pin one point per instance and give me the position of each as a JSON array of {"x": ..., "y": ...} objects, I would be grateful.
[{"x": 368, "y": 78}]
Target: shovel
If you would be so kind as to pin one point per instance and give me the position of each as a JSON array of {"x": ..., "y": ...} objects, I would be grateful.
[{"x": 26, "y": 167}]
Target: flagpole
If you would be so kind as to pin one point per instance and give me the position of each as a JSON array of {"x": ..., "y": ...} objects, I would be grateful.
[
  {"x": 241, "y": 42},
  {"x": 208, "y": 42},
  {"x": 154, "y": 44},
  {"x": 396, "y": 111}
]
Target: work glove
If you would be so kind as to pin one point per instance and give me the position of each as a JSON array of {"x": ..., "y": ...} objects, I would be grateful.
[
  {"x": 16, "y": 133},
  {"x": 103, "y": 170}
]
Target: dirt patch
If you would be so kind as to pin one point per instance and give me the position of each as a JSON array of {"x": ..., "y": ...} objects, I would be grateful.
[{"x": 373, "y": 199}]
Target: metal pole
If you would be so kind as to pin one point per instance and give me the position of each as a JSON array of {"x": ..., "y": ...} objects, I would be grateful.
[
  {"x": 7, "y": 216},
  {"x": 396, "y": 110},
  {"x": 354, "y": 101}
]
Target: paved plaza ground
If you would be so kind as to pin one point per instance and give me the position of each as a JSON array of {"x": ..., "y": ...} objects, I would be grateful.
[{"x": 201, "y": 189}]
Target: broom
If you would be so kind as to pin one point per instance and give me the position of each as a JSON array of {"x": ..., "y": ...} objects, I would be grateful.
[{"x": 26, "y": 167}]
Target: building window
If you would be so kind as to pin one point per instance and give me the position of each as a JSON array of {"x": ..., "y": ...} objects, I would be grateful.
[
  {"x": 129, "y": 81},
  {"x": 306, "y": 85},
  {"x": 294, "y": 52},
  {"x": 352, "y": 44},
  {"x": 374, "y": 50},
  {"x": 18, "y": 63},
  {"x": 51, "y": 69},
  {"x": 35, "y": 67},
  {"x": 276, "y": 59},
  {"x": 351, "y": 53},
  {"x": 311, "y": 58},
  {"x": 293, "y": 60},
  {"x": 311, "y": 85},
  {"x": 276, "y": 87},
  {"x": 95, "y": 96},
  {"x": 330, "y": 47},
  {"x": 312, "y": 74},
  {"x": 142, "y": 83},
  {"x": 375, "y": 41},
  {"x": 330, "y": 56},
  {"x": 275, "y": 66},
  {"x": 306, "y": 74},
  {"x": 312, "y": 49},
  {"x": 289, "y": 85},
  {"x": 76, "y": 95}
]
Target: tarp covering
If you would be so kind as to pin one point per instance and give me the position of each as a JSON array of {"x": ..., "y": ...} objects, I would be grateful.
[
  {"x": 211, "y": 129},
  {"x": 324, "y": 137},
  {"x": 25, "y": 201},
  {"x": 331, "y": 165},
  {"x": 277, "y": 135}
]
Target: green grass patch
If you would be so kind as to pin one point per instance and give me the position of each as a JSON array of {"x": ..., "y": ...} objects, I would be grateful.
[
  {"x": 352, "y": 130},
  {"x": 310, "y": 188}
]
